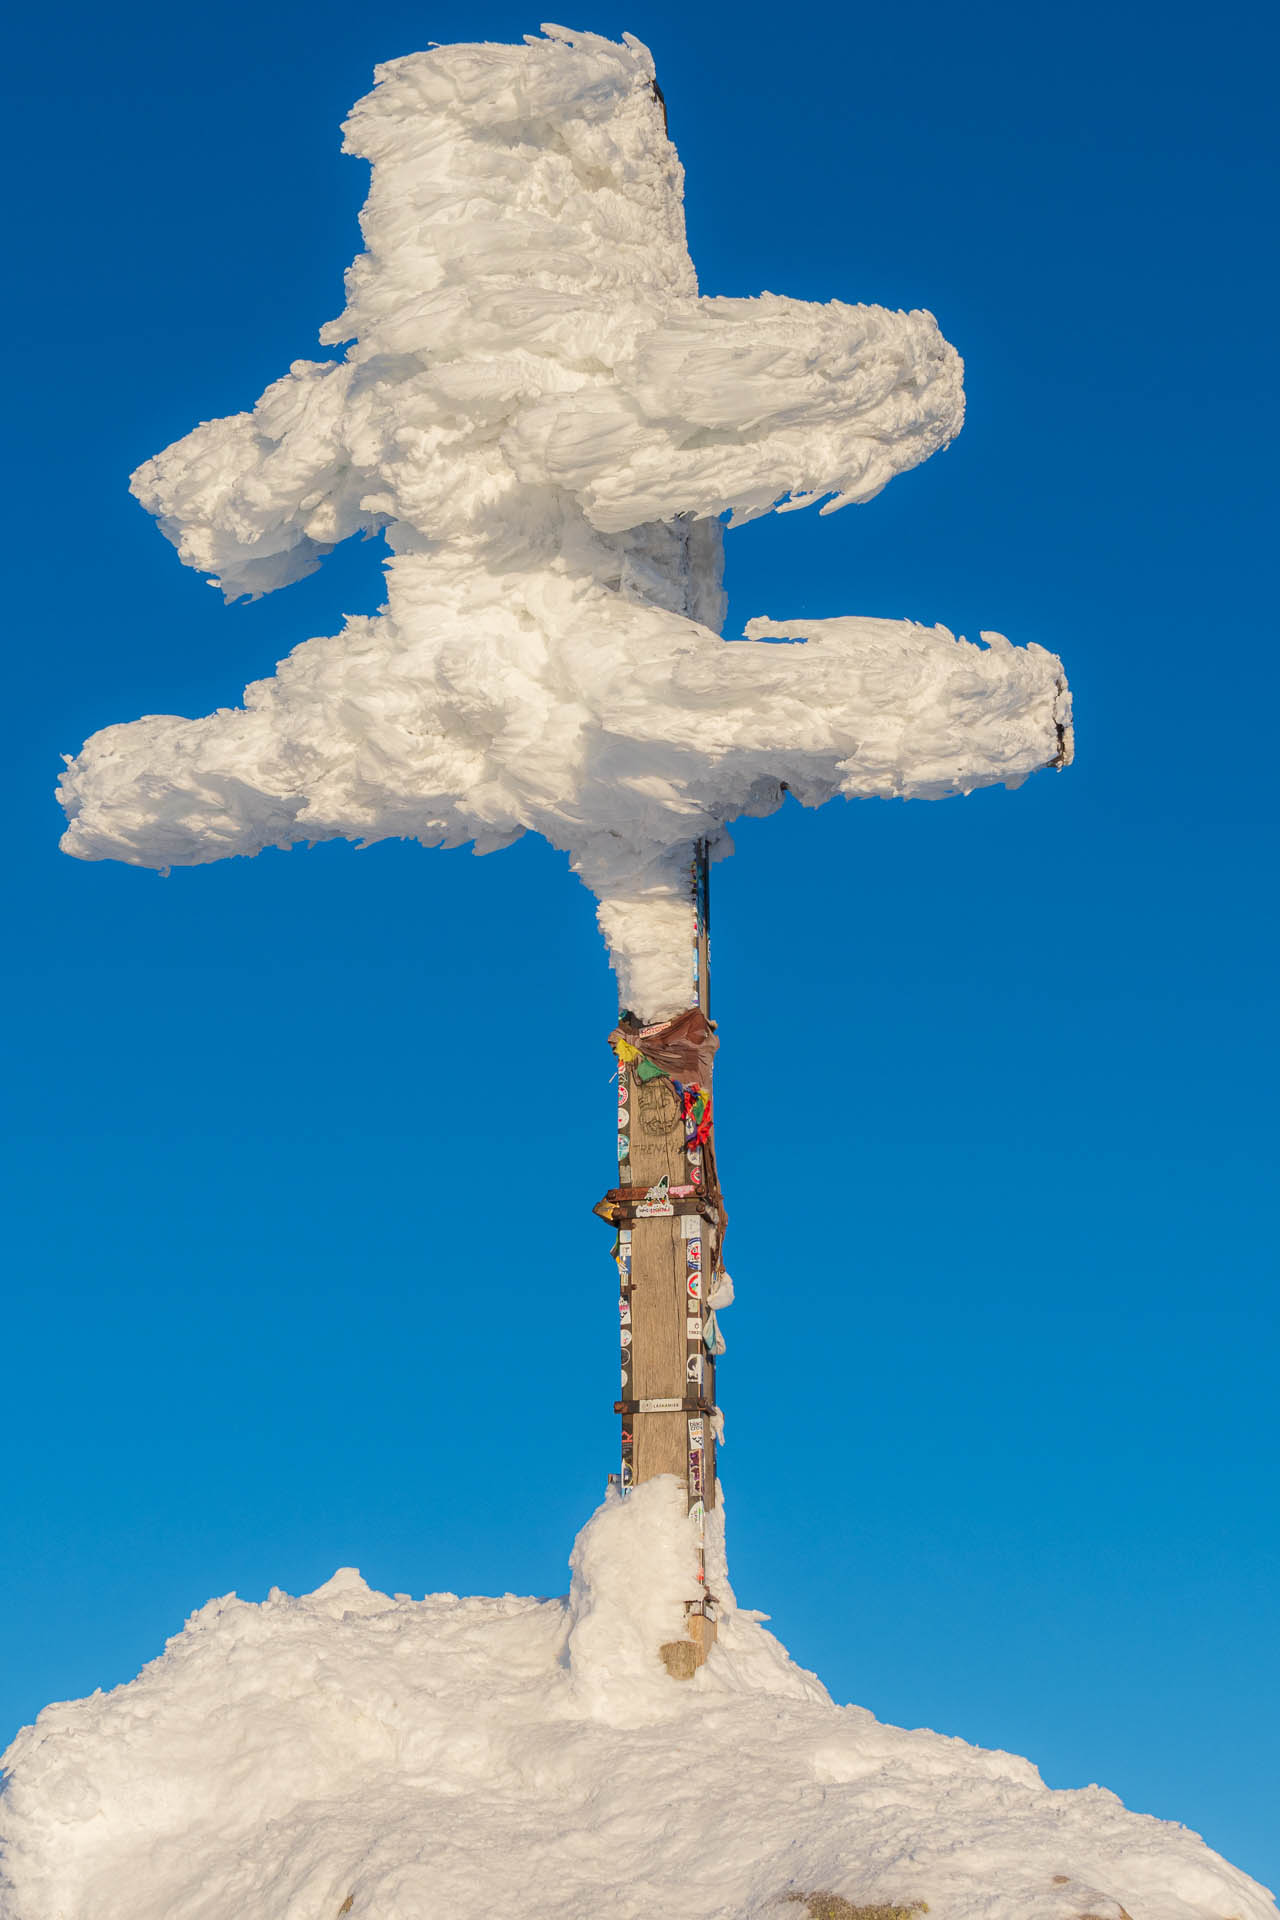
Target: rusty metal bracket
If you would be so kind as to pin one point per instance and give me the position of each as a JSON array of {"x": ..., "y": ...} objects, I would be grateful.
[{"x": 669, "y": 1405}]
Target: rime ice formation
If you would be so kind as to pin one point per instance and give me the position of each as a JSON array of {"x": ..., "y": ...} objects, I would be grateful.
[
  {"x": 548, "y": 422},
  {"x": 455, "y": 1759}
]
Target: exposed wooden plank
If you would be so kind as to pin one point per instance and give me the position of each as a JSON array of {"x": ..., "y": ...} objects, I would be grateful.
[
  {"x": 658, "y": 1308},
  {"x": 657, "y": 1282},
  {"x": 660, "y": 1445},
  {"x": 657, "y": 1133}
]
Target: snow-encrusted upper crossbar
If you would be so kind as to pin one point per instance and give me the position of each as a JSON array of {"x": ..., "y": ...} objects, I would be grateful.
[{"x": 548, "y": 422}]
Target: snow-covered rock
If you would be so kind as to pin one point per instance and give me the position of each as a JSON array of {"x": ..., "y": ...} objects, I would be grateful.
[{"x": 463, "y": 1759}]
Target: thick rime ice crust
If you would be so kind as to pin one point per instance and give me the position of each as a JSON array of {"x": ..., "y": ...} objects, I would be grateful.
[
  {"x": 453, "y": 1759},
  {"x": 549, "y": 423}
]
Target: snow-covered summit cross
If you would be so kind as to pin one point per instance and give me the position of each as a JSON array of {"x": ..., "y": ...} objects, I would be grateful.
[{"x": 548, "y": 422}]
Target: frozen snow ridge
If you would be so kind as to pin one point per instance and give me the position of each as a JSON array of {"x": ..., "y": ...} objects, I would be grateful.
[
  {"x": 549, "y": 423},
  {"x": 455, "y": 1759}
]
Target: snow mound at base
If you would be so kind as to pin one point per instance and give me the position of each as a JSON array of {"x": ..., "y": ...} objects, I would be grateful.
[{"x": 448, "y": 1759}]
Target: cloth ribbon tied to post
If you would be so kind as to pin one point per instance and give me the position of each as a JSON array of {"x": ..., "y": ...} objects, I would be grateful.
[{"x": 695, "y": 1111}]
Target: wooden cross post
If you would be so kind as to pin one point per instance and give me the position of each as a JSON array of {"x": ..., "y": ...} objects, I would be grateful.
[{"x": 670, "y": 1222}]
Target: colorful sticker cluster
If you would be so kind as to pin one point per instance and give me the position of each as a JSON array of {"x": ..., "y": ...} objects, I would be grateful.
[
  {"x": 694, "y": 1368},
  {"x": 697, "y": 1446},
  {"x": 622, "y": 1255},
  {"x": 624, "y": 1115}
]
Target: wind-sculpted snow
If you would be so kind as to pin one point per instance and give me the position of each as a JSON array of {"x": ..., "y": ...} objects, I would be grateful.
[
  {"x": 549, "y": 424},
  {"x": 399, "y": 1759}
]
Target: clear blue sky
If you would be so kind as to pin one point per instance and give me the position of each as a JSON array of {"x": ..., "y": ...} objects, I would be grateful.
[{"x": 997, "y": 1091}]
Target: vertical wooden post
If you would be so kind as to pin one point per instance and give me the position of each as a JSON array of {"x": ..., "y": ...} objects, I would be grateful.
[
  {"x": 702, "y": 923},
  {"x": 669, "y": 1216}
]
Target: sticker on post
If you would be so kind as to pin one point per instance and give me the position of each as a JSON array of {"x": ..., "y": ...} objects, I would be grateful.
[
  {"x": 693, "y": 1369},
  {"x": 693, "y": 1328},
  {"x": 654, "y": 1210},
  {"x": 690, "y": 1226},
  {"x": 661, "y": 1406},
  {"x": 693, "y": 1282}
]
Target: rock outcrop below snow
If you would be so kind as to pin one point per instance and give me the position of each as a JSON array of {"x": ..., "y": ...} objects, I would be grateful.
[{"x": 457, "y": 1759}]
